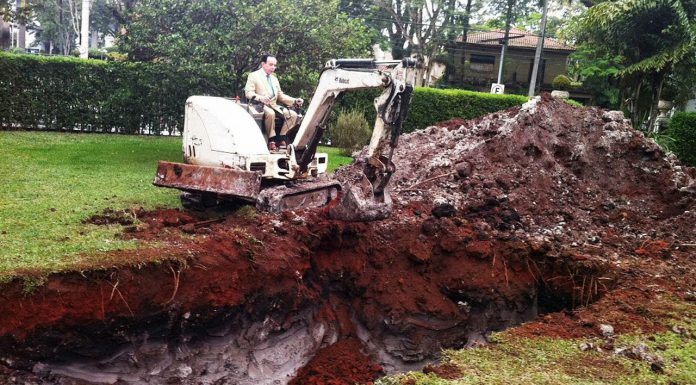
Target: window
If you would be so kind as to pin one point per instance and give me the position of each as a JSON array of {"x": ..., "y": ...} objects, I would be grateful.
[{"x": 482, "y": 63}]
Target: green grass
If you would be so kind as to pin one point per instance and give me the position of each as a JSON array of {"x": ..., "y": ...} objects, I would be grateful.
[
  {"x": 52, "y": 182},
  {"x": 336, "y": 159},
  {"x": 513, "y": 360}
]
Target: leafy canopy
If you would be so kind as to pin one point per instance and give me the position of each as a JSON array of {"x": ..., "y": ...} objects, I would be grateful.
[
  {"x": 651, "y": 35},
  {"x": 218, "y": 37}
]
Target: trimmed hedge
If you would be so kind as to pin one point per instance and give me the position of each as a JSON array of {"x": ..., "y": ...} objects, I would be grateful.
[
  {"x": 65, "y": 93},
  {"x": 432, "y": 105},
  {"x": 682, "y": 129}
]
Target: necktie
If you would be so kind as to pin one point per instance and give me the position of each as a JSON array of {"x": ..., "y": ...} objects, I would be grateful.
[{"x": 270, "y": 84}]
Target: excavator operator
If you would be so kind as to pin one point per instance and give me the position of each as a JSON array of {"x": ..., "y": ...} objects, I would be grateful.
[{"x": 263, "y": 87}]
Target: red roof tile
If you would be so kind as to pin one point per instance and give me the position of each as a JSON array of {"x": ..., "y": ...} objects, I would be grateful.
[{"x": 518, "y": 38}]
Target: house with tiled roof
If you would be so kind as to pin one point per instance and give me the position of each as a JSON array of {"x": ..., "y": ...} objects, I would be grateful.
[{"x": 476, "y": 60}]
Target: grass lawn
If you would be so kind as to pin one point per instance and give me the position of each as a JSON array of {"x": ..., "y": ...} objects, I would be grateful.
[
  {"x": 336, "y": 160},
  {"x": 52, "y": 182}
]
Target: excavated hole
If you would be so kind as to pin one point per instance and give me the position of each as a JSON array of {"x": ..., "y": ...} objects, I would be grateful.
[{"x": 268, "y": 340}]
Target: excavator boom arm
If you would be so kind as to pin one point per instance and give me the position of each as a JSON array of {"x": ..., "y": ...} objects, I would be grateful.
[
  {"x": 368, "y": 198},
  {"x": 396, "y": 77}
]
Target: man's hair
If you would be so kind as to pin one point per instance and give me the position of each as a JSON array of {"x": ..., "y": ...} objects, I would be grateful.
[{"x": 265, "y": 57}]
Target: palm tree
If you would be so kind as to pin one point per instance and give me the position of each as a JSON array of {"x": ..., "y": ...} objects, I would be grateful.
[{"x": 652, "y": 36}]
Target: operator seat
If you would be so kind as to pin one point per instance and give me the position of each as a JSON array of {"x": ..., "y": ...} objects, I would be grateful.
[{"x": 255, "y": 109}]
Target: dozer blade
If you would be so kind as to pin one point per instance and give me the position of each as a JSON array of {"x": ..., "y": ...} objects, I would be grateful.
[
  {"x": 220, "y": 180},
  {"x": 360, "y": 204},
  {"x": 299, "y": 195}
]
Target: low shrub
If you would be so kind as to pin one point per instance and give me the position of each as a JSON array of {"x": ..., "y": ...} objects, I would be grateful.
[
  {"x": 350, "y": 132},
  {"x": 561, "y": 83},
  {"x": 682, "y": 130}
]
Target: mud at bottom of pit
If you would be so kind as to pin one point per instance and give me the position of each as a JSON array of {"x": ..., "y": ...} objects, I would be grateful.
[{"x": 325, "y": 344}]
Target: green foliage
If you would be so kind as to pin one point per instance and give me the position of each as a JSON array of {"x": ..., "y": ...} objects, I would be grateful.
[
  {"x": 54, "y": 181},
  {"x": 351, "y": 131},
  {"x": 97, "y": 53},
  {"x": 573, "y": 103},
  {"x": 227, "y": 38},
  {"x": 561, "y": 83},
  {"x": 682, "y": 129},
  {"x": 599, "y": 73},
  {"x": 431, "y": 105},
  {"x": 650, "y": 34},
  {"x": 651, "y": 38},
  {"x": 63, "y": 93},
  {"x": 664, "y": 140}
]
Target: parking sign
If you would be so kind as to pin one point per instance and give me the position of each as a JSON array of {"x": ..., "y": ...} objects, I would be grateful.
[{"x": 497, "y": 88}]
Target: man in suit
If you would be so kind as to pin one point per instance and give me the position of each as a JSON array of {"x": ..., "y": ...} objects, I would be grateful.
[{"x": 262, "y": 86}]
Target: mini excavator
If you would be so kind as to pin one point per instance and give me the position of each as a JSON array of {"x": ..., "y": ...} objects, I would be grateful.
[{"x": 226, "y": 156}]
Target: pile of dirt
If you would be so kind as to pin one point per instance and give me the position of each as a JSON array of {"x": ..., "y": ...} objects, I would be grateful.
[{"x": 541, "y": 209}]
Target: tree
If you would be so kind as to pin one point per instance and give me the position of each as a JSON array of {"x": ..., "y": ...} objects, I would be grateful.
[
  {"x": 510, "y": 11},
  {"x": 5, "y": 15},
  {"x": 599, "y": 74},
  {"x": 650, "y": 36},
  {"x": 228, "y": 37},
  {"x": 60, "y": 23},
  {"x": 421, "y": 27}
]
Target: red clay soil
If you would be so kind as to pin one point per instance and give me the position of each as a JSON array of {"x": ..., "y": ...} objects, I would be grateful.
[
  {"x": 352, "y": 366},
  {"x": 547, "y": 204}
]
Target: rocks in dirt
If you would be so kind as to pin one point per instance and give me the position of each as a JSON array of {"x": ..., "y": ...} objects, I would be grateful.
[
  {"x": 606, "y": 330},
  {"x": 463, "y": 169},
  {"x": 585, "y": 346},
  {"x": 682, "y": 331},
  {"x": 443, "y": 210},
  {"x": 183, "y": 371},
  {"x": 419, "y": 252},
  {"x": 111, "y": 216},
  {"x": 641, "y": 352},
  {"x": 613, "y": 116}
]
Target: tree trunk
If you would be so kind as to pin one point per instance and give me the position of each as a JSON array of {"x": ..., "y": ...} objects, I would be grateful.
[
  {"x": 22, "y": 27},
  {"x": 465, "y": 37},
  {"x": 636, "y": 95},
  {"x": 653, "y": 102},
  {"x": 5, "y": 36},
  {"x": 84, "y": 30},
  {"x": 94, "y": 40}
]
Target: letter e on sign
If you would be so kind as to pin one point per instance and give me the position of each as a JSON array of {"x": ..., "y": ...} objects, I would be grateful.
[{"x": 497, "y": 88}]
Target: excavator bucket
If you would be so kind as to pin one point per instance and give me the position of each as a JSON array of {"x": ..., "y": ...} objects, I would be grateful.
[
  {"x": 218, "y": 180},
  {"x": 359, "y": 203}
]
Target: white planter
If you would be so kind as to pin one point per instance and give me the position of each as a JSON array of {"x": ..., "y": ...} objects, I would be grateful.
[
  {"x": 560, "y": 94},
  {"x": 664, "y": 105}
]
